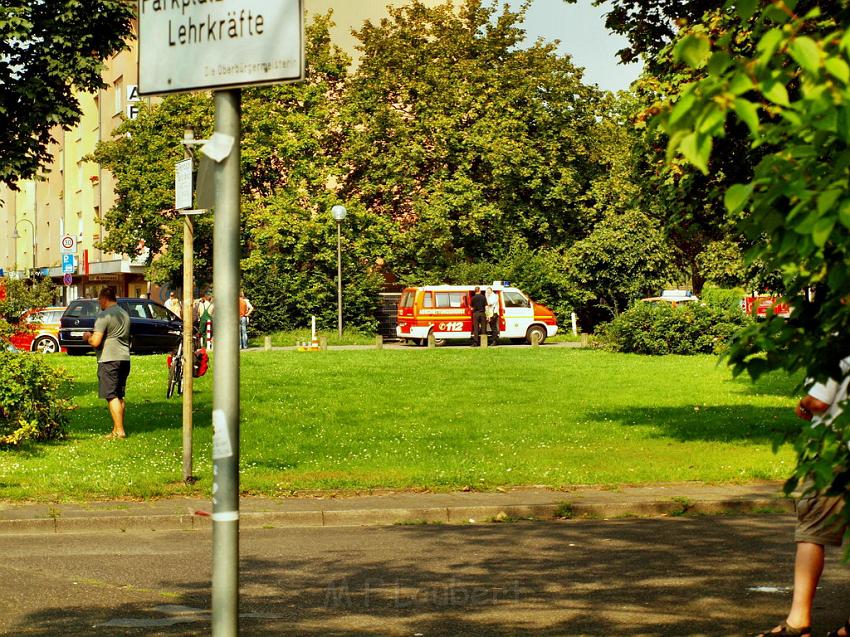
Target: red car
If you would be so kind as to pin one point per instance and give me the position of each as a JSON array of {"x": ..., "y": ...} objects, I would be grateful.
[{"x": 39, "y": 331}]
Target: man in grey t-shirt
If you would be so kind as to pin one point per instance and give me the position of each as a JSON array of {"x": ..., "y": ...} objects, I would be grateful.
[{"x": 111, "y": 340}]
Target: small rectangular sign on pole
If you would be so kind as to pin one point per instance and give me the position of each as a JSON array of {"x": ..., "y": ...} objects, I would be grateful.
[
  {"x": 67, "y": 263},
  {"x": 187, "y": 46},
  {"x": 183, "y": 184}
]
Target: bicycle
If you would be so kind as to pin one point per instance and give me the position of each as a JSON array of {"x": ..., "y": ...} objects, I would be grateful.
[{"x": 175, "y": 372}]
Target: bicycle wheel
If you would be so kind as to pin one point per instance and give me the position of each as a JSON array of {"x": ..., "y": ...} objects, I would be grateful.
[
  {"x": 179, "y": 372},
  {"x": 172, "y": 377}
]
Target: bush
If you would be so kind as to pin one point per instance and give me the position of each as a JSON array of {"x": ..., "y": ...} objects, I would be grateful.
[
  {"x": 34, "y": 402},
  {"x": 689, "y": 328},
  {"x": 723, "y": 298}
]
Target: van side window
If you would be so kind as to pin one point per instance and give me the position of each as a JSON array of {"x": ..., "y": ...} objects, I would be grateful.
[
  {"x": 450, "y": 299},
  {"x": 427, "y": 299},
  {"x": 514, "y": 299},
  {"x": 406, "y": 300}
]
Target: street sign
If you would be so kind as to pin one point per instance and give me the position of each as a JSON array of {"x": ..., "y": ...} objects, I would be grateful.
[
  {"x": 183, "y": 184},
  {"x": 67, "y": 279},
  {"x": 187, "y": 46},
  {"x": 67, "y": 263},
  {"x": 67, "y": 243}
]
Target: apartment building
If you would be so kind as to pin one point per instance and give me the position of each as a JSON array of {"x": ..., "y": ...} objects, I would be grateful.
[{"x": 67, "y": 204}]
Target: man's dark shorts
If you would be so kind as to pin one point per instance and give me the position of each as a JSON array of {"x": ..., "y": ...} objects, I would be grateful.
[{"x": 112, "y": 379}]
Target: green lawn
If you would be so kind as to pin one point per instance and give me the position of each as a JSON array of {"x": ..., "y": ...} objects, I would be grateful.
[{"x": 441, "y": 419}]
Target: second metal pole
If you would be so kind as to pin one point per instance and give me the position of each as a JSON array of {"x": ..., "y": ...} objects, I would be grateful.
[
  {"x": 339, "y": 278},
  {"x": 225, "y": 572}
]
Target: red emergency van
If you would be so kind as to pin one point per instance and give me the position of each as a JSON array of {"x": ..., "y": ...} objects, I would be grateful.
[{"x": 444, "y": 311}]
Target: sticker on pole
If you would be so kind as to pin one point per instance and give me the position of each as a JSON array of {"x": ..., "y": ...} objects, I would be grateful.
[
  {"x": 187, "y": 46},
  {"x": 221, "y": 436}
]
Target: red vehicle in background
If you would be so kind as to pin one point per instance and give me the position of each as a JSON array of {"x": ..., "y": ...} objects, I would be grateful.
[
  {"x": 759, "y": 305},
  {"x": 38, "y": 331}
]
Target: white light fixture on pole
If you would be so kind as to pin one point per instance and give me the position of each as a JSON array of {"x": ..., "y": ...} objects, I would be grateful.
[
  {"x": 339, "y": 213},
  {"x": 17, "y": 235}
]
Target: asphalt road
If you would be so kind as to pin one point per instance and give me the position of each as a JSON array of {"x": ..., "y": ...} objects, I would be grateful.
[{"x": 659, "y": 576}]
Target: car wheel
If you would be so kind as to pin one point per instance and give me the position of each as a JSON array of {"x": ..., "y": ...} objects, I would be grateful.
[
  {"x": 45, "y": 345},
  {"x": 541, "y": 332}
]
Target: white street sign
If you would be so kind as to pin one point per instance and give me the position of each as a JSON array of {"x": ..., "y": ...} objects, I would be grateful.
[
  {"x": 183, "y": 184},
  {"x": 187, "y": 45},
  {"x": 67, "y": 244}
]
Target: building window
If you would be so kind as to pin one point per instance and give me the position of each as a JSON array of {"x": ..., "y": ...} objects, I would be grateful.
[{"x": 118, "y": 88}]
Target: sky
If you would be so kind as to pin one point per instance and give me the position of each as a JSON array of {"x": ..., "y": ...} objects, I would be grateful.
[{"x": 581, "y": 29}]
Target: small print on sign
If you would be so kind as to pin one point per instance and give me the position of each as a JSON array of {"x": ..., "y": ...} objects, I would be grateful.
[{"x": 221, "y": 436}]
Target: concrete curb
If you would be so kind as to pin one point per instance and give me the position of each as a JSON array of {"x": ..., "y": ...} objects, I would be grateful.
[{"x": 401, "y": 516}]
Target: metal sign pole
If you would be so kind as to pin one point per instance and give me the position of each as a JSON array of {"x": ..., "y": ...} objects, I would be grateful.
[{"x": 225, "y": 582}]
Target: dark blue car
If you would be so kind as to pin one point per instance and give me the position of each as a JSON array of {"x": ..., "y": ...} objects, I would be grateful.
[{"x": 153, "y": 328}]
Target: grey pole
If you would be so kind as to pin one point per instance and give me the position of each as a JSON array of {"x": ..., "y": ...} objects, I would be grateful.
[
  {"x": 339, "y": 277},
  {"x": 225, "y": 494},
  {"x": 188, "y": 349}
]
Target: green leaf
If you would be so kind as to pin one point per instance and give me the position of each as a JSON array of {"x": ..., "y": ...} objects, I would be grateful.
[
  {"x": 769, "y": 42},
  {"x": 718, "y": 62},
  {"x": 775, "y": 92},
  {"x": 741, "y": 83},
  {"x": 822, "y": 230},
  {"x": 682, "y": 107},
  {"x": 827, "y": 199},
  {"x": 711, "y": 121},
  {"x": 844, "y": 213},
  {"x": 693, "y": 49},
  {"x": 737, "y": 196},
  {"x": 697, "y": 149},
  {"x": 748, "y": 113},
  {"x": 842, "y": 123},
  {"x": 745, "y": 8},
  {"x": 838, "y": 69},
  {"x": 806, "y": 53}
]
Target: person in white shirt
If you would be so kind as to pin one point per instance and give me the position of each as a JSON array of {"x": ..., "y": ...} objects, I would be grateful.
[
  {"x": 492, "y": 315},
  {"x": 173, "y": 304},
  {"x": 819, "y": 516}
]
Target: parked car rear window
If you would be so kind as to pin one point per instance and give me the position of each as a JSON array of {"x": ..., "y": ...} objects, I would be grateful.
[
  {"x": 137, "y": 309},
  {"x": 82, "y": 309},
  {"x": 160, "y": 312}
]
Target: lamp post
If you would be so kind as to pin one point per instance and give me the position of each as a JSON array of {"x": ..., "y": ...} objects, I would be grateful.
[
  {"x": 339, "y": 213},
  {"x": 17, "y": 235}
]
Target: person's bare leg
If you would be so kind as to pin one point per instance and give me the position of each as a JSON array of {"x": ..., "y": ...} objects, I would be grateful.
[
  {"x": 808, "y": 567},
  {"x": 116, "y": 410}
]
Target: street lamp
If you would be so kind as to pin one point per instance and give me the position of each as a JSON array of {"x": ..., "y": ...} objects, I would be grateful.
[
  {"x": 339, "y": 213},
  {"x": 17, "y": 235}
]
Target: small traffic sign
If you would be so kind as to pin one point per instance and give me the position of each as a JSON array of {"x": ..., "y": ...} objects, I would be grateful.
[
  {"x": 183, "y": 184},
  {"x": 68, "y": 243},
  {"x": 67, "y": 263},
  {"x": 67, "y": 279}
]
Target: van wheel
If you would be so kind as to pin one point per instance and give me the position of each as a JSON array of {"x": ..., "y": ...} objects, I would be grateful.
[
  {"x": 541, "y": 332},
  {"x": 45, "y": 345}
]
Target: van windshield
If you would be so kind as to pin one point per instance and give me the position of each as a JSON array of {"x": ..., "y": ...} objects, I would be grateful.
[{"x": 406, "y": 300}]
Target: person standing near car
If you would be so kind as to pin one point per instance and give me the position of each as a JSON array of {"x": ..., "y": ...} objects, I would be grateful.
[
  {"x": 173, "y": 304},
  {"x": 205, "y": 309},
  {"x": 478, "y": 302},
  {"x": 492, "y": 313},
  {"x": 245, "y": 310},
  {"x": 111, "y": 341}
]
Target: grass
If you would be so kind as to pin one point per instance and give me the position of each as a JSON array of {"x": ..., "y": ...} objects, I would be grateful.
[
  {"x": 439, "y": 419},
  {"x": 291, "y": 338}
]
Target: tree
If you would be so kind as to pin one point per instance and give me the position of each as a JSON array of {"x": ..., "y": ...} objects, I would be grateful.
[
  {"x": 626, "y": 257},
  {"x": 467, "y": 140},
  {"x": 792, "y": 92},
  {"x": 19, "y": 295},
  {"x": 48, "y": 50}
]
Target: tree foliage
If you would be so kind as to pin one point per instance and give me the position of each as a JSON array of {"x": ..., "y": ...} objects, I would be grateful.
[
  {"x": 20, "y": 295},
  {"x": 792, "y": 92},
  {"x": 49, "y": 49}
]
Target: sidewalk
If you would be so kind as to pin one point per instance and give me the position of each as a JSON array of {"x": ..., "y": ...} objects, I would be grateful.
[{"x": 402, "y": 508}]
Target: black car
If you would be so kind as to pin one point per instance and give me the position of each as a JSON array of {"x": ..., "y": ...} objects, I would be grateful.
[{"x": 153, "y": 328}]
